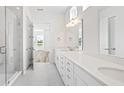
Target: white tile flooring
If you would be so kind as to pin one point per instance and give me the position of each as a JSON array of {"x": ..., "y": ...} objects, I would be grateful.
[{"x": 44, "y": 74}]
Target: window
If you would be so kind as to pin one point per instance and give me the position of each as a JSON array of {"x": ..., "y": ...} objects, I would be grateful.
[{"x": 39, "y": 39}]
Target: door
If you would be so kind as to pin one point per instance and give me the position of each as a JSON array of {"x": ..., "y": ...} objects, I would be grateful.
[{"x": 10, "y": 27}]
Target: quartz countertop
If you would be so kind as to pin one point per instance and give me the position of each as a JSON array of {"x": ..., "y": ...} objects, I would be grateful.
[{"x": 91, "y": 65}]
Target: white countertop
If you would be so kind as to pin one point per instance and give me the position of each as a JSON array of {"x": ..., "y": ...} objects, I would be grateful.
[{"x": 91, "y": 65}]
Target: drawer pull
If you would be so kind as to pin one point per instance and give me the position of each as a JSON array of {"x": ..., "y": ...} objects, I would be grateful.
[
  {"x": 68, "y": 63},
  {"x": 68, "y": 70}
]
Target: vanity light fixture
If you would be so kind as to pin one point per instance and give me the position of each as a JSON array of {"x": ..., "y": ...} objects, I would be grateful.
[
  {"x": 74, "y": 19},
  {"x": 73, "y": 22}
]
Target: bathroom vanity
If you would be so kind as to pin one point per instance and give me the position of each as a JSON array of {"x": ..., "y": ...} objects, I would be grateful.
[{"x": 77, "y": 69}]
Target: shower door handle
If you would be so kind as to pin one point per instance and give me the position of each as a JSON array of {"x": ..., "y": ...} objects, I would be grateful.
[{"x": 2, "y": 49}]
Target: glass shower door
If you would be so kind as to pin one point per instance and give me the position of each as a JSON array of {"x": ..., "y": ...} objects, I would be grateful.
[
  {"x": 2, "y": 46},
  {"x": 13, "y": 36},
  {"x": 10, "y": 43}
]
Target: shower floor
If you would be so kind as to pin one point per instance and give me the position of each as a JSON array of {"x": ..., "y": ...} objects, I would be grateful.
[
  {"x": 2, "y": 78},
  {"x": 10, "y": 73}
]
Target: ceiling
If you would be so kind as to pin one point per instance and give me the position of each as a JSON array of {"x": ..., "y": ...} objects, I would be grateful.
[
  {"x": 37, "y": 16},
  {"x": 48, "y": 9},
  {"x": 17, "y": 10}
]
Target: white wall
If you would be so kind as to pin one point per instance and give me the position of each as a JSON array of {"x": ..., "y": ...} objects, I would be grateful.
[
  {"x": 57, "y": 29},
  {"x": 117, "y": 30},
  {"x": 91, "y": 35},
  {"x": 26, "y": 14},
  {"x": 90, "y": 31}
]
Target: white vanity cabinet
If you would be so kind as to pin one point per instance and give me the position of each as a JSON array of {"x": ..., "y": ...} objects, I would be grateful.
[
  {"x": 57, "y": 62},
  {"x": 78, "y": 81},
  {"x": 74, "y": 75},
  {"x": 65, "y": 68},
  {"x": 69, "y": 73},
  {"x": 62, "y": 68},
  {"x": 60, "y": 64},
  {"x": 84, "y": 78}
]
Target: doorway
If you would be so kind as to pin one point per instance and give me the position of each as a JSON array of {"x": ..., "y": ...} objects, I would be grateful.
[{"x": 41, "y": 43}]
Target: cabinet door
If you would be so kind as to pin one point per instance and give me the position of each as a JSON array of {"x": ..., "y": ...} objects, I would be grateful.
[
  {"x": 80, "y": 82},
  {"x": 86, "y": 77}
]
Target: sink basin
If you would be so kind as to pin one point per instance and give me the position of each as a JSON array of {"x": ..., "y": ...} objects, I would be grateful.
[{"x": 113, "y": 73}]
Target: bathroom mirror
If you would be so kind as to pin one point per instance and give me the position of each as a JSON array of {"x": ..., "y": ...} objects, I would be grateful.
[
  {"x": 111, "y": 27},
  {"x": 80, "y": 36}
]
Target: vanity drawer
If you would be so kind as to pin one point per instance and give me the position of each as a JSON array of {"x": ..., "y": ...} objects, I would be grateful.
[
  {"x": 62, "y": 58},
  {"x": 69, "y": 67},
  {"x": 69, "y": 76},
  {"x": 69, "y": 70},
  {"x": 86, "y": 77},
  {"x": 62, "y": 73},
  {"x": 69, "y": 79},
  {"x": 63, "y": 77},
  {"x": 69, "y": 64}
]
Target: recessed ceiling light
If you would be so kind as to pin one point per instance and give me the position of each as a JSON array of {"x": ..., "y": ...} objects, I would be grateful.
[{"x": 40, "y": 9}]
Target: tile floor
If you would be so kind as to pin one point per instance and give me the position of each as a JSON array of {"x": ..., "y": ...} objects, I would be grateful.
[{"x": 44, "y": 74}]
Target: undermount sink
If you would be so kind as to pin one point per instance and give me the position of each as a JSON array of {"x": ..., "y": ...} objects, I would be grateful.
[{"x": 113, "y": 73}]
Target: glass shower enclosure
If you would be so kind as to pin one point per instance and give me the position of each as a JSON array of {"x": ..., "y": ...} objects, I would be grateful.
[{"x": 11, "y": 19}]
